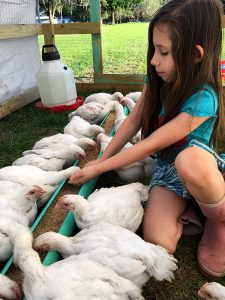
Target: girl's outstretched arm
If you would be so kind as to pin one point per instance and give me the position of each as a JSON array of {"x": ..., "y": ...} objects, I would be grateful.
[
  {"x": 126, "y": 131},
  {"x": 163, "y": 137}
]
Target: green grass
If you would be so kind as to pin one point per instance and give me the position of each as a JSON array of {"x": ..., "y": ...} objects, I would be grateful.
[
  {"x": 21, "y": 129},
  {"x": 124, "y": 48}
]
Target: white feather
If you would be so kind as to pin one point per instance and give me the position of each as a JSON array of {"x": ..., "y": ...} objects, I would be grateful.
[
  {"x": 93, "y": 112},
  {"x": 120, "y": 205},
  {"x": 103, "y": 98},
  {"x": 118, "y": 248},
  {"x": 212, "y": 291},
  {"x": 80, "y": 128},
  {"x": 134, "y": 171},
  {"x": 135, "y": 96},
  {"x": 62, "y": 139},
  {"x": 8, "y": 288},
  {"x": 74, "y": 277}
]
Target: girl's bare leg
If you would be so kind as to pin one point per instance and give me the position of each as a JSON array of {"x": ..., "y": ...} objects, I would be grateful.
[{"x": 160, "y": 225}]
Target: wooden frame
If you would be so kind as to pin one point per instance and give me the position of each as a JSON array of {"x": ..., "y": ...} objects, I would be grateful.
[
  {"x": 15, "y": 31},
  {"x": 18, "y": 102},
  {"x": 24, "y": 30}
]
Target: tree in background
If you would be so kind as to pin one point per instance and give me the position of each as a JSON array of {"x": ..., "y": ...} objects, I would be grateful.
[
  {"x": 111, "y": 10},
  {"x": 145, "y": 9},
  {"x": 53, "y": 6},
  {"x": 118, "y": 8}
]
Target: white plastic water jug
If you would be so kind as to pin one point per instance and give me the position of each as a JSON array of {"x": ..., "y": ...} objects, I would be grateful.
[{"x": 55, "y": 81}]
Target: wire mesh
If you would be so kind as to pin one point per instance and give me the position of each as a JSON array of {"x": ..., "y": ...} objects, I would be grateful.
[
  {"x": 17, "y": 11},
  {"x": 19, "y": 57}
]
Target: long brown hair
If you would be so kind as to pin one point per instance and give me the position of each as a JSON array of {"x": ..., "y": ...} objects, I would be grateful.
[{"x": 190, "y": 23}]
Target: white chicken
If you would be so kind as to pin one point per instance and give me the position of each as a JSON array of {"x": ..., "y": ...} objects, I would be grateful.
[
  {"x": 135, "y": 96},
  {"x": 120, "y": 205},
  {"x": 29, "y": 175},
  {"x": 79, "y": 128},
  {"x": 51, "y": 159},
  {"x": 103, "y": 98},
  {"x": 60, "y": 139},
  {"x": 6, "y": 246},
  {"x": 128, "y": 102},
  {"x": 93, "y": 112},
  {"x": 8, "y": 188},
  {"x": 25, "y": 200},
  {"x": 20, "y": 209},
  {"x": 134, "y": 171},
  {"x": 136, "y": 138},
  {"x": 68, "y": 152},
  {"x": 120, "y": 117},
  {"x": 118, "y": 248},
  {"x": 212, "y": 291},
  {"x": 9, "y": 288},
  {"x": 74, "y": 277},
  {"x": 52, "y": 164}
]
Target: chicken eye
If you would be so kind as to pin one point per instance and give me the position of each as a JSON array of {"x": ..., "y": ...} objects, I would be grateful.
[{"x": 209, "y": 296}]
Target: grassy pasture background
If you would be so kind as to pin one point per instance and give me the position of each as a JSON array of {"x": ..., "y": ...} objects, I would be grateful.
[{"x": 124, "y": 51}]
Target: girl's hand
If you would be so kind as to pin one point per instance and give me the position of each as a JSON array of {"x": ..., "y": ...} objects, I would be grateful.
[{"x": 83, "y": 175}]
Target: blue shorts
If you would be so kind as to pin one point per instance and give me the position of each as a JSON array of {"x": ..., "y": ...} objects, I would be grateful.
[{"x": 167, "y": 176}]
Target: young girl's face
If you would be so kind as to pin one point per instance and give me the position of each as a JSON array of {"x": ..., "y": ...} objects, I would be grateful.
[{"x": 162, "y": 59}]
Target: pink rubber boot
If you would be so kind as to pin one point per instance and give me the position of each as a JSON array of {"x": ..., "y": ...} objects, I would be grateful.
[{"x": 211, "y": 249}]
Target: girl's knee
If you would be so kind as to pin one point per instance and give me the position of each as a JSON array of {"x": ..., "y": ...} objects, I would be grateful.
[{"x": 192, "y": 166}]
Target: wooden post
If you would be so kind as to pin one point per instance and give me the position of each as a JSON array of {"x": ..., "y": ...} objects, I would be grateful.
[
  {"x": 48, "y": 29},
  {"x": 49, "y": 37},
  {"x": 96, "y": 38}
]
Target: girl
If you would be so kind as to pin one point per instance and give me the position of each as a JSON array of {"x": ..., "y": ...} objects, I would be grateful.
[{"x": 180, "y": 113}]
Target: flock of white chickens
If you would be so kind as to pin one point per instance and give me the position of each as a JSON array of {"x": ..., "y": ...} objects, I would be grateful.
[{"x": 106, "y": 259}]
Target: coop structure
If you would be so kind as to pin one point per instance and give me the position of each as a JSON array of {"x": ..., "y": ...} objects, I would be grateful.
[
  {"x": 19, "y": 32},
  {"x": 16, "y": 31}
]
